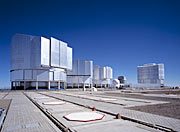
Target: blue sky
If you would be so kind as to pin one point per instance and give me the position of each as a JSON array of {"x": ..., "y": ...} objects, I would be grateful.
[{"x": 120, "y": 34}]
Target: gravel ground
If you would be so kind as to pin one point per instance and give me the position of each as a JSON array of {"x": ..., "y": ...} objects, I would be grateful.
[
  {"x": 171, "y": 109},
  {"x": 161, "y": 92}
]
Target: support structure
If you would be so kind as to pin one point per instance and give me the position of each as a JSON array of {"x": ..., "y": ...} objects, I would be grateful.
[
  {"x": 65, "y": 85},
  {"x": 59, "y": 84},
  {"x": 11, "y": 85},
  {"x": 49, "y": 85},
  {"x": 15, "y": 85},
  {"x": 84, "y": 88},
  {"x": 37, "y": 85},
  {"x": 24, "y": 85}
]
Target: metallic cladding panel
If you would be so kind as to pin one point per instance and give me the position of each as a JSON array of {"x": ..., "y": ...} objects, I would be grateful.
[
  {"x": 102, "y": 75},
  {"x": 91, "y": 70},
  {"x": 17, "y": 75},
  {"x": 25, "y": 52},
  {"x": 161, "y": 71},
  {"x": 151, "y": 74},
  {"x": 31, "y": 53},
  {"x": 96, "y": 73},
  {"x": 87, "y": 68},
  {"x": 55, "y": 55},
  {"x": 69, "y": 58},
  {"x": 60, "y": 75},
  {"x": 20, "y": 49},
  {"x": 57, "y": 75},
  {"x": 51, "y": 76},
  {"x": 86, "y": 79},
  {"x": 79, "y": 79},
  {"x": 28, "y": 74},
  {"x": 35, "y": 52},
  {"x": 75, "y": 68},
  {"x": 35, "y": 73},
  {"x": 42, "y": 75},
  {"x": 63, "y": 54},
  {"x": 102, "y": 72},
  {"x": 81, "y": 67},
  {"x": 45, "y": 51},
  {"x": 63, "y": 76},
  {"x": 109, "y": 72}
]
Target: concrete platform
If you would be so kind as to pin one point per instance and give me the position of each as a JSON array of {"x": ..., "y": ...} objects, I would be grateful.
[
  {"x": 84, "y": 116},
  {"x": 98, "y": 126},
  {"x": 23, "y": 116},
  {"x": 123, "y": 102},
  {"x": 167, "y": 122}
]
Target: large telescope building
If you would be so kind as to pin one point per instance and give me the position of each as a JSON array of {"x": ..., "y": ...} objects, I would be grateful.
[
  {"x": 102, "y": 76},
  {"x": 151, "y": 74},
  {"x": 39, "y": 62},
  {"x": 81, "y": 75}
]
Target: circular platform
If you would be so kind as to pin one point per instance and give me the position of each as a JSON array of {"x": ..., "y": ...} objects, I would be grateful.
[
  {"x": 107, "y": 99},
  {"x": 54, "y": 103},
  {"x": 84, "y": 116}
]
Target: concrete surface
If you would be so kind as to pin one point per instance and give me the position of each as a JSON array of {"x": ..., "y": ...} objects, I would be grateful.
[
  {"x": 141, "y": 116},
  {"x": 23, "y": 116}
]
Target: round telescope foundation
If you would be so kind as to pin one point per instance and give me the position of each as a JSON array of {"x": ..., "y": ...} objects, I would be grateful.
[{"x": 84, "y": 116}]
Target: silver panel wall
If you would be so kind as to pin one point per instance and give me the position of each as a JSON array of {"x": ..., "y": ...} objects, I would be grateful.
[
  {"x": 45, "y": 51},
  {"x": 151, "y": 74},
  {"x": 82, "y": 72},
  {"x": 79, "y": 80},
  {"x": 55, "y": 55},
  {"x": 109, "y": 73},
  {"x": 17, "y": 75},
  {"x": 42, "y": 75},
  {"x": 28, "y": 75},
  {"x": 101, "y": 72},
  {"x": 69, "y": 58},
  {"x": 89, "y": 68},
  {"x": 82, "y": 67},
  {"x": 29, "y": 52},
  {"x": 96, "y": 73},
  {"x": 74, "y": 68},
  {"x": 63, "y": 54},
  {"x": 57, "y": 75},
  {"x": 102, "y": 75},
  {"x": 33, "y": 57},
  {"x": 20, "y": 51},
  {"x": 63, "y": 76}
]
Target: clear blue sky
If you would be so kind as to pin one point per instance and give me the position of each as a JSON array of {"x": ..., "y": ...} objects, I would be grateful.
[{"x": 120, "y": 34}]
